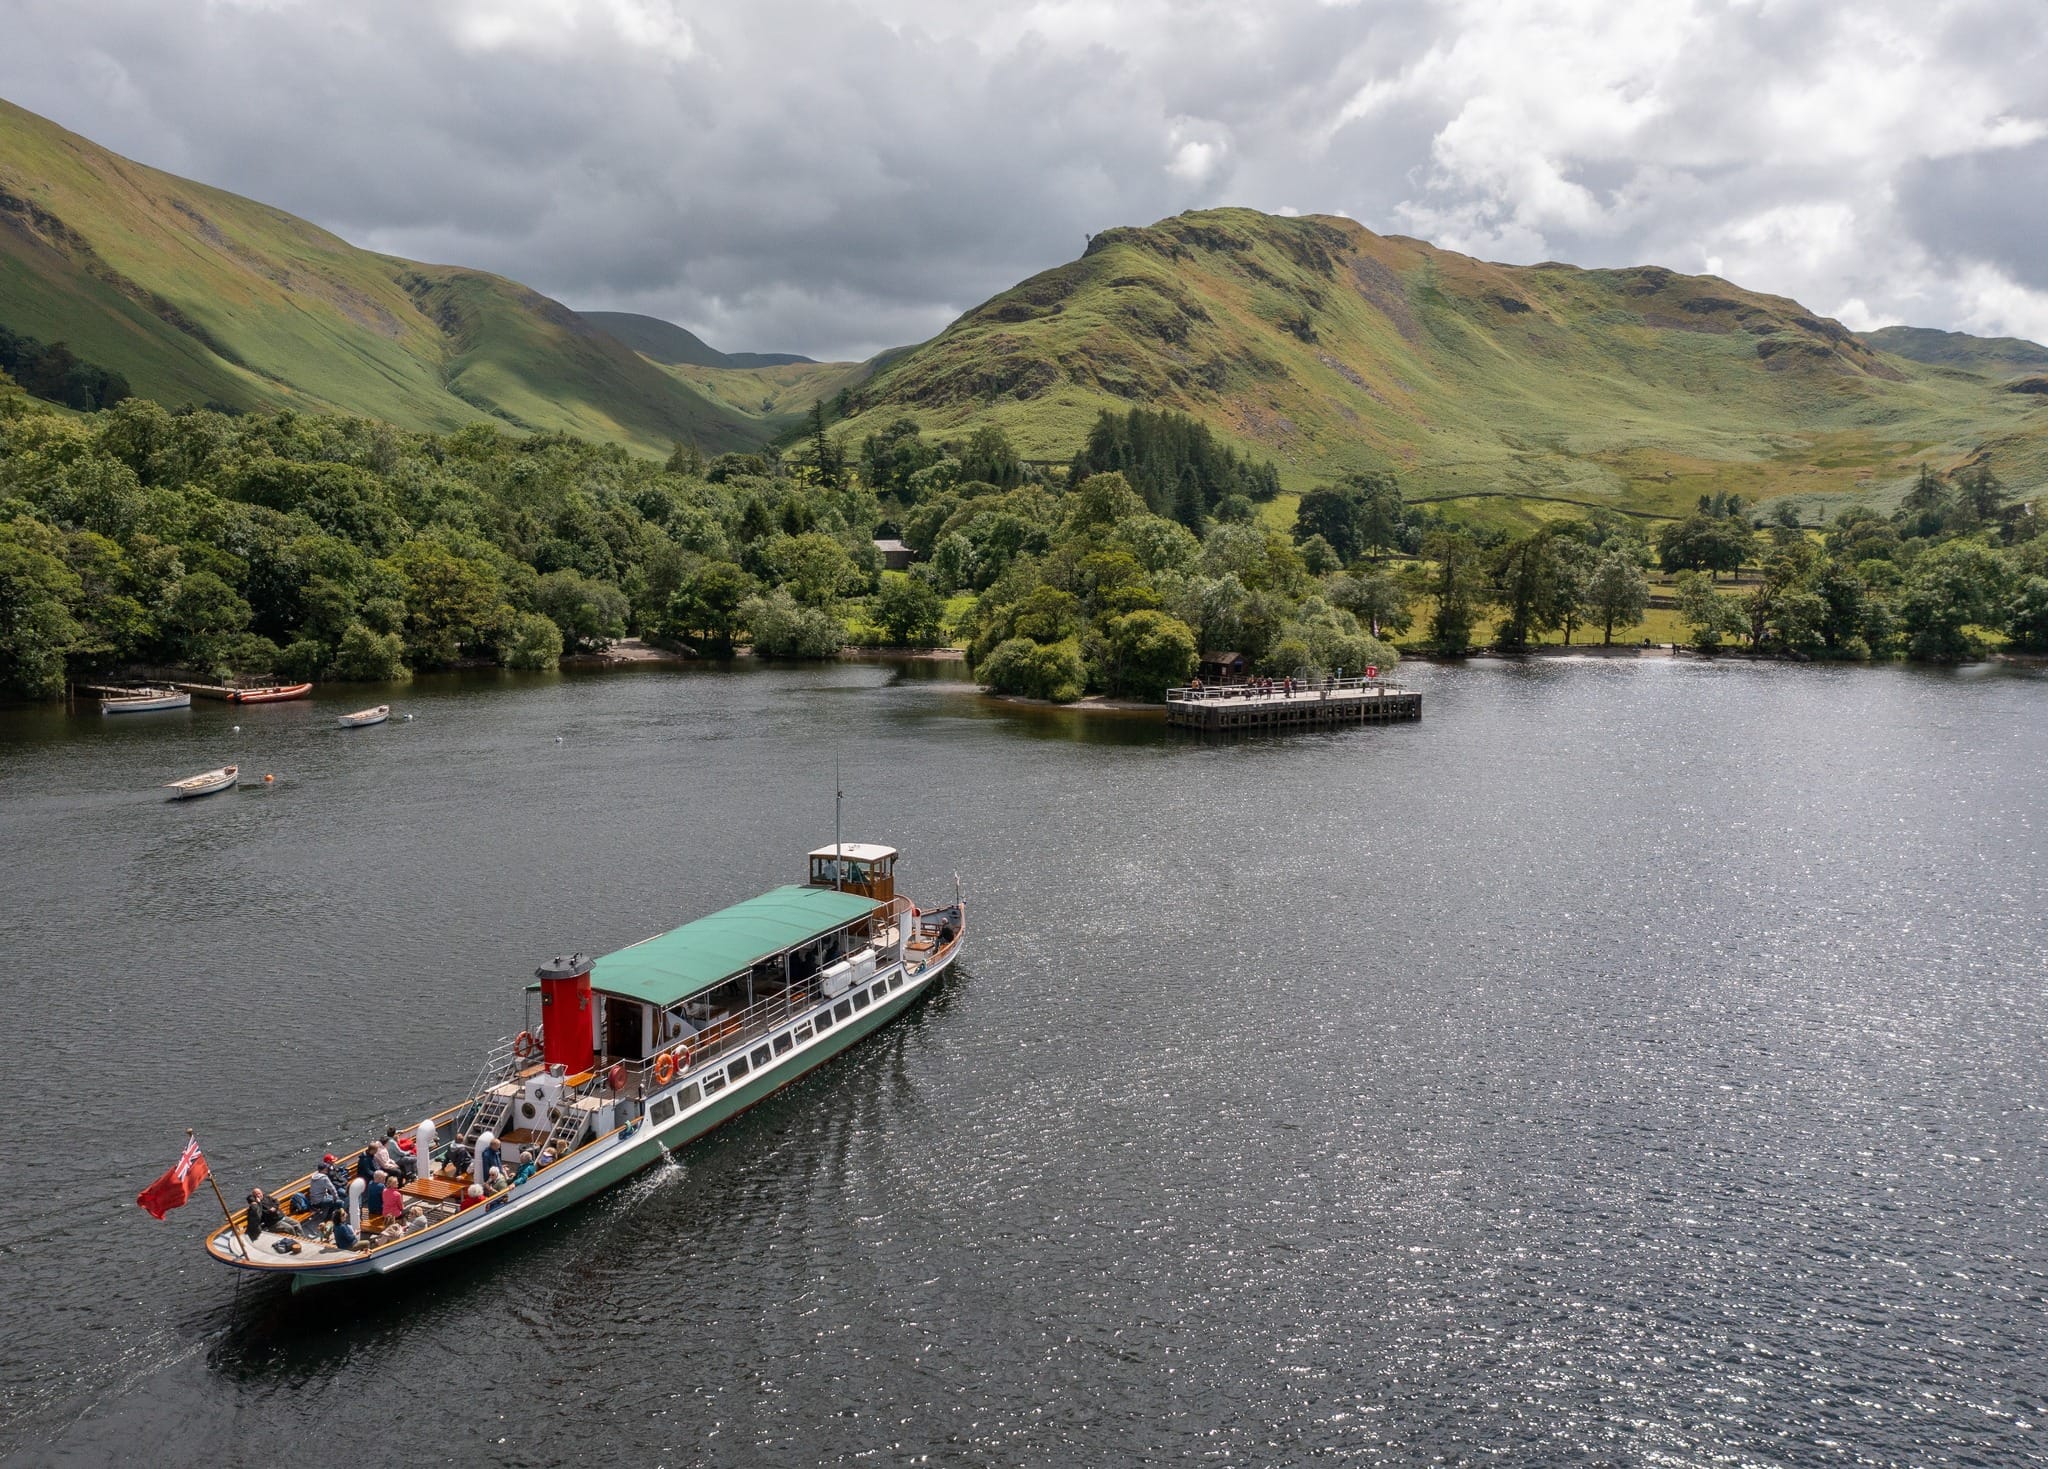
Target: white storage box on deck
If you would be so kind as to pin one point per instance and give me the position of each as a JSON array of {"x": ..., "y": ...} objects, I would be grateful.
[
  {"x": 863, "y": 965},
  {"x": 838, "y": 979}
]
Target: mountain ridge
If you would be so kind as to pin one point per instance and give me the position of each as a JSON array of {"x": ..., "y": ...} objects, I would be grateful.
[
  {"x": 198, "y": 295},
  {"x": 675, "y": 346},
  {"x": 1328, "y": 348}
]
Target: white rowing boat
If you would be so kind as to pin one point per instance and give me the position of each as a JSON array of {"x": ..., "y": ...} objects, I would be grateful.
[
  {"x": 146, "y": 701},
  {"x": 202, "y": 785},
  {"x": 364, "y": 717}
]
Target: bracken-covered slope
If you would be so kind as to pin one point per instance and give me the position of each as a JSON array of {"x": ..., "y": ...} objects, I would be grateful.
[
  {"x": 196, "y": 296},
  {"x": 1328, "y": 348}
]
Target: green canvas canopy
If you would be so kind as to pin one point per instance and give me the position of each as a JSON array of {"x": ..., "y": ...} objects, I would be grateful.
[{"x": 674, "y": 965}]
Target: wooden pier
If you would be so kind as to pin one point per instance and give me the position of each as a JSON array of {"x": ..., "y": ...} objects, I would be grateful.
[{"x": 1323, "y": 704}]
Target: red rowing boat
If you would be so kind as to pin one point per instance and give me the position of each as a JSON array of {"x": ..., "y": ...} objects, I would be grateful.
[{"x": 270, "y": 694}]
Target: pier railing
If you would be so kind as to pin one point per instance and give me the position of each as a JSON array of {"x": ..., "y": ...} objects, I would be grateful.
[{"x": 1303, "y": 688}]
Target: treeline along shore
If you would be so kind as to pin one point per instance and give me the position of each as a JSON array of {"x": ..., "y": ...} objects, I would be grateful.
[{"x": 335, "y": 548}]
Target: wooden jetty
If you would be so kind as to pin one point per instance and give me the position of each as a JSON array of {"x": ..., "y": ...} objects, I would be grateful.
[{"x": 1329, "y": 703}]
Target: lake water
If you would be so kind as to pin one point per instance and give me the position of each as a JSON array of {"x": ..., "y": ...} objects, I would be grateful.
[{"x": 1637, "y": 1062}]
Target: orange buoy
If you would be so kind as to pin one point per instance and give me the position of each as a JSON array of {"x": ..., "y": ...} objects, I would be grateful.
[{"x": 268, "y": 779}]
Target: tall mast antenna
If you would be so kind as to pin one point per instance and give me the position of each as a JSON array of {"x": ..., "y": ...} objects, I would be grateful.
[{"x": 838, "y": 854}]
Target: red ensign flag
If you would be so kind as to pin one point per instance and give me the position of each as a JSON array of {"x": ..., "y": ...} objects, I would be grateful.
[{"x": 176, "y": 1186}]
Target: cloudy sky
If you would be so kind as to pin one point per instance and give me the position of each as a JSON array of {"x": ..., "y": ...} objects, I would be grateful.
[{"x": 834, "y": 176}]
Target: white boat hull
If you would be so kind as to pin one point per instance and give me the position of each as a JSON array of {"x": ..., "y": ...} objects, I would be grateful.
[
  {"x": 179, "y": 700},
  {"x": 364, "y": 718},
  {"x": 204, "y": 785}
]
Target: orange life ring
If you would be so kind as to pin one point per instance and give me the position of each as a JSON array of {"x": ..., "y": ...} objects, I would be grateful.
[
  {"x": 664, "y": 1069},
  {"x": 616, "y": 1077},
  {"x": 527, "y": 1046}
]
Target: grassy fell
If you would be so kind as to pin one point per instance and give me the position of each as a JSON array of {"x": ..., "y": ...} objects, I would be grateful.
[
  {"x": 197, "y": 295},
  {"x": 1526, "y": 391}
]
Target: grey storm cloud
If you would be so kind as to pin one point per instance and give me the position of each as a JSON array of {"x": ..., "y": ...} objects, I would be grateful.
[{"x": 804, "y": 175}]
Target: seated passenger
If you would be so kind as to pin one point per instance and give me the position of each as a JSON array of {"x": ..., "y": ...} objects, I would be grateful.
[
  {"x": 472, "y": 1196},
  {"x": 343, "y": 1237},
  {"x": 526, "y": 1171},
  {"x": 394, "y": 1198},
  {"x": 373, "y": 1193},
  {"x": 494, "y": 1181},
  {"x": 403, "y": 1168},
  {"x": 264, "y": 1214},
  {"x": 322, "y": 1202}
]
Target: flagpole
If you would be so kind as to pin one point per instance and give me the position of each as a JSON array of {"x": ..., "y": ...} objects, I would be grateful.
[{"x": 225, "y": 1213}]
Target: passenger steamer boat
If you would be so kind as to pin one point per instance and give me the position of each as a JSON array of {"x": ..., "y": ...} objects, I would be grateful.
[{"x": 640, "y": 1052}]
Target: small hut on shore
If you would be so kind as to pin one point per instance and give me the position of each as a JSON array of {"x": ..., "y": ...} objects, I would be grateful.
[{"x": 1223, "y": 667}]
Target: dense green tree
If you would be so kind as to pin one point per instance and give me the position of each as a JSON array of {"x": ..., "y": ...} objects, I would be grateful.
[
  {"x": 1616, "y": 593},
  {"x": 908, "y": 611},
  {"x": 2027, "y": 618},
  {"x": 705, "y": 609},
  {"x": 1036, "y": 670},
  {"x": 451, "y": 602},
  {"x": 815, "y": 568},
  {"x": 204, "y": 614},
  {"x": 781, "y": 627},
  {"x": 1376, "y": 598},
  {"x": 1704, "y": 543},
  {"x": 1460, "y": 587},
  {"x": 589, "y": 613},
  {"x": 1952, "y": 587},
  {"x": 989, "y": 458},
  {"x": 367, "y": 656},
  {"x": 1707, "y": 613},
  {"x": 532, "y": 641},
  {"x": 36, "y": 626},
  {"x": 1149, "y": 652},
  {"x": 1534, "y": 593}
]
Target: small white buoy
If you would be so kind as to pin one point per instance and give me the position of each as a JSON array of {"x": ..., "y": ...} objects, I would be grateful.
[
  {"x": 558, "y": 739},
  {"x": 234, "y": 729},
  {"x": 408, "y": 719}
]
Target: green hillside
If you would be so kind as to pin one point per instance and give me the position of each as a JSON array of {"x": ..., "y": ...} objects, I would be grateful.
[
  {"x": 1996, "y": 356},
  {"x": 199, "y": 296},
  {"x": 675, "y": 346},
  {"x": 1524, "y": 391}
]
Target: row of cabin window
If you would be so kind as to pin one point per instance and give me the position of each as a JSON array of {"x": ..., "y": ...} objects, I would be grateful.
[{"x": 666, "y": 1107}]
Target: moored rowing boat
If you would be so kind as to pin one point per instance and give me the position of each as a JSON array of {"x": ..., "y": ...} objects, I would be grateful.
[
  {"x": 202, "y": 785},
  {"x": 146, "y": 701},
  {"x": 270, "y": 694},
  {"x": 363, "y": 718},
  {"x": 636, "y": 1053}
]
